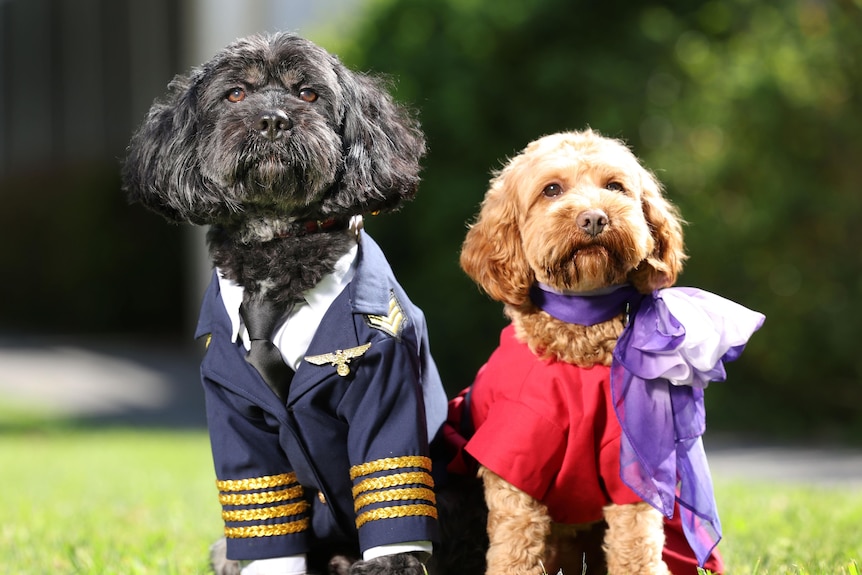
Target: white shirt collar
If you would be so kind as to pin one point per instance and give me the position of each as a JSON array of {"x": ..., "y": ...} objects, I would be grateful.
[{"x": 295, "y": 334}]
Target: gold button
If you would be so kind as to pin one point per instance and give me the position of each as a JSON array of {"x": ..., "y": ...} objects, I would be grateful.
[{"x": 321, "y": 497}]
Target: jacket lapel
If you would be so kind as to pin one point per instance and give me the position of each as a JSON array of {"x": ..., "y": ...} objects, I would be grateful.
[
  {"x": 224, "y": 361},
  {"x": 335, "y": 332}
]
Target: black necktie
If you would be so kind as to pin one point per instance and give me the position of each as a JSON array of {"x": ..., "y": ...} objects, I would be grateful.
[{"x": 260, "y": 318}]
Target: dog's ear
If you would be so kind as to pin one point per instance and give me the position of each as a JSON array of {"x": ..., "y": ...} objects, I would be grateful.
[
  {"x": 661, "y": 268},
  {"x": 162, "y": 170},
  {"x": 492, "y": 253},
  {"x": 383, "y": 145}
]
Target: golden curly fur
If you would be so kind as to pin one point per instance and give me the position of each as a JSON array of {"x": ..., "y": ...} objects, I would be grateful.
[{"x": 576, "y": 211}]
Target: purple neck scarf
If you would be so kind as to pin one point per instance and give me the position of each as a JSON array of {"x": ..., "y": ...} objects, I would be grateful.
[
  {"x": 674, "y": 344},
  {"x": 584, "y": 309}
]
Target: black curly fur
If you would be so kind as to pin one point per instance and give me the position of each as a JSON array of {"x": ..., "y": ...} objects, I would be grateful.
[
  {"x": 398, "y": 564},
  {"x": 302, "y": 261},
  {"x": 200, "y": 158},
  {"x": 463, "y": 527}
]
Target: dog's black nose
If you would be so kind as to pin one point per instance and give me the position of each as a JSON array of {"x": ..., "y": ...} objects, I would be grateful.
[
  {"x": 273, "y": 124},
  {"x": 592, "y": 221}
]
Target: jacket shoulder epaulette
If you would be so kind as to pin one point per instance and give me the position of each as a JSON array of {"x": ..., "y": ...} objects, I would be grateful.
[{"x": 393, "y": 323}]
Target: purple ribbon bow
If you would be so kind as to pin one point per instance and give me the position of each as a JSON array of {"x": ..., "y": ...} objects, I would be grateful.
[{"x": 674, "y": 344}]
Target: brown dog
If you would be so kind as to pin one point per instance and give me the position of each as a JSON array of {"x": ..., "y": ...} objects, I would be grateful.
[{"x": 575, "y": 213}]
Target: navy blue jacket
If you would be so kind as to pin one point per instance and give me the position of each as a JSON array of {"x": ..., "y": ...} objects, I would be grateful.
[{"x": 346, "y": 457}]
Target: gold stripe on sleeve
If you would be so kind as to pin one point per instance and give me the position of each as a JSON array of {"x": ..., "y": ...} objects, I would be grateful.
[
  {"x": 394, "y": 480},
  {"x": 394, "y": 495},
  {"x": 267, "y": 530},
  {"x": 265, "y": 482},
  {"x": 390, "y": 463},
  {"x": 260, "y": 497},
  {"x": 396, "y": 511},
  {"x": 263, "y": 513}
]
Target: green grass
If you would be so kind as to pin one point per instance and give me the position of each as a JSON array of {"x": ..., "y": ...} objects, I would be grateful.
[
  {"x": 132, "y": 502},
  {"x": 778, "y": 529},
  {"x": 106, "y": 502}
]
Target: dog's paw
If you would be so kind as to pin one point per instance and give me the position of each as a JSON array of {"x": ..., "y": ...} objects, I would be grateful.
[
  {"x": 339, "y": 565},
  {"x": 219, "y": 562},
  {"x": 398, "y": 564}
]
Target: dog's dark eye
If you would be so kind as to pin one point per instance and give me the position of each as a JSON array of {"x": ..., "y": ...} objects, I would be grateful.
[
  {"x": 236, "y": 95},
  {"x": 307, "y": 95},
  {"x": 552, "y": 190},
  {"x": 615, "y": 187}
]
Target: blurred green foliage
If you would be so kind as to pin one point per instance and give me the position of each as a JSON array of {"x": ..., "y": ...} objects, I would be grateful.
[{"x": 750, "y": 112}]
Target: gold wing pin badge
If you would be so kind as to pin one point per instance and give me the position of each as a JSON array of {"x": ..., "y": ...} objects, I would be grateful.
[{"x": 340, "y": 358}]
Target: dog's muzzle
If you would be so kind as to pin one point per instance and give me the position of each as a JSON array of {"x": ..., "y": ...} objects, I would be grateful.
[
  {"x": 593, "y": 222},
  {"x": 273, "y": 124}
]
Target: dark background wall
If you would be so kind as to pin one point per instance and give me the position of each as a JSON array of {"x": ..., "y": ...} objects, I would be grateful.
[{"x": 75, "y": 77}]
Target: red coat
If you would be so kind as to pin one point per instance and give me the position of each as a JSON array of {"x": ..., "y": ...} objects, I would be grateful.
[{"x": 549, "y": 428}]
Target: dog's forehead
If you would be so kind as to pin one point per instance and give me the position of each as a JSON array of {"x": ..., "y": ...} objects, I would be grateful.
[
  {"x": 571, "y": 156},
  {"x": 290, "y": 60}
]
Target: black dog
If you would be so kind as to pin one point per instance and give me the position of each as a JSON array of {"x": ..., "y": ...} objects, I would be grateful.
[{"x": 322, "y": 450}]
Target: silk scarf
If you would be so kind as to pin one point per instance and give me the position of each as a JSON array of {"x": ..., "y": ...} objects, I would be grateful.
[{"x": 674, "y": 343}]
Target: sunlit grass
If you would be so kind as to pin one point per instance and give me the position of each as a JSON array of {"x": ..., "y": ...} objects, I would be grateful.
[
  {"x": 138, "y": 502},
  {"x": 106, "y": 502},
  {"x": 778, "y": 529}
]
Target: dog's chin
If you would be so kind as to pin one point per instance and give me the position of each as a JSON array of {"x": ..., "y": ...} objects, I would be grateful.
[
  {"x": 587, "y": 268},
  {"x": 274, "y": 179},
  {"x": 272, "y": 173},
  {"x": 280, "y": 186}
]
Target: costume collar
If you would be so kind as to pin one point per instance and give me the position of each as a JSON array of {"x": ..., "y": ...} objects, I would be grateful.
[
  {"x": 586, "y": 308},
  {"x": 294, "y": 334},
  {"x": 264, "y": 228},
  {"x": 375, "y": 281}
]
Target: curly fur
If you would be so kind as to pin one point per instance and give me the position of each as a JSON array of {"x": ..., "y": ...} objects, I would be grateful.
[
  {"x": 276, "y": 146},
  {"x": 462, "y": 518},
  {"x": 634, "y": 539},
  {"x": 518, "y": 527},
  {"x": 521, "y": 237},
  {"x": 578, "y": 344},
  {"x": 219, "y": 563},
  {"x": 400, "y": 564},
  {"x": 529, "y": 230},
  {"x": 201, "y": 158}
]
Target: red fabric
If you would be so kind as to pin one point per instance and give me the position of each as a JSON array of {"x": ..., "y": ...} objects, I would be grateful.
[
  {"x": 678, "y": 555},
  {"x": 549, "y": 428}
]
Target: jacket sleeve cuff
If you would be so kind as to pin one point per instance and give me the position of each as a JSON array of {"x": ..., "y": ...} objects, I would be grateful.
[
  {"x": 392, "y": 549},
  {"x": 293, "y": 565}
]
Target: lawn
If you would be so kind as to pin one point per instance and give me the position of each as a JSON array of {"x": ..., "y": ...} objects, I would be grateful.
[
  {"x": 780, "y": 529},
  {"x": 106, "y": 502},
  {"x": 129, "y": 502}
]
